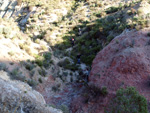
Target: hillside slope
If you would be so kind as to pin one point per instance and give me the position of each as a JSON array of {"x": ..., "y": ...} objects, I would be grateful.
[{"x": 36, "y": 46}]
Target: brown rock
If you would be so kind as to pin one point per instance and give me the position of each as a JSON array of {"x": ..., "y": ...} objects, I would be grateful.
[{"x": 124, "y": 62}]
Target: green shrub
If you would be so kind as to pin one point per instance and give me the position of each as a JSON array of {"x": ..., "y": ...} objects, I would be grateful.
[
  {"x": 32, "y": 72},
  {"x": 148, "y": 23},
  {"x": 43, "y": 60},
  {"x": 57, "y": 53},
  {"x": 39, "y": 60},
  {"x": 96, "y": 91},
  {"x": 40, "y": 80},
  {"x": 47, "y": 60},
  {"x": 127, "y": 101},
  {"x": 110, "y": 18},
  {"x": 32, "y": 83},
  {"x": 64, "y": 108},
  {"x": 21, "y": 45},
  {"x": 112, "y": 10},
  {"x": 64, "y": 62},
  {"x": 6, "y": 31},
  {"x": 42, "y": 72},
  {"x": 87, "y": 59},
  {"x": 148, "y": 34},
  {"x": 47, "y": 56},
  {"x": 52, "y": 105},
  {"x": 46, "y": 64},
  {"x": 29, "y": 66},
  {"x": 44, "y": 47},
  {"x": 109, "y": 38},
  {"x": 37, "y": 41},
  {"x": 104, "y": 91},
  {"x": 3, "y": 67},
  {"x": 65, "y": 73},
  {"x": 55, "y": 88},
  {"x": 71, "y": 79},
  {"x": 17, "y": 75}
]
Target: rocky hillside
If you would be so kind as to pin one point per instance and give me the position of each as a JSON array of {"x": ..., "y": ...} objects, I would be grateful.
[
  {"x": 36, "y": 48},
  {"x": 18, "y": 97}
]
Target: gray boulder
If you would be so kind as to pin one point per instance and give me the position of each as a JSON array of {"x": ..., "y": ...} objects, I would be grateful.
[{"x": 18, "y": 97}]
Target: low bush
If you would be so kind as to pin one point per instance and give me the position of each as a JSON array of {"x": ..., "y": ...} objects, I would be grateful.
[
  {"x": 43, "y": 60},
  {"x": 39, "y": 60},
  {"x": 64, "y": 108},
  {"x": 112, "y": 10},
  {"x": 42, "y": 72},
  {"x": 64, "y": 62},
  {"x": 96, "y": 91},
  {"x": 29, "y": 66},
  {"x": 40, "y": 80},
  {"x": 127, "y": 101},
  {"x": 3, "y": 67},
  {"x": 55, "y": 88},
  {"x": 148, "y": 34},
  {"x": 32, "y": 83},
  {"x": 16, "y": 74}
]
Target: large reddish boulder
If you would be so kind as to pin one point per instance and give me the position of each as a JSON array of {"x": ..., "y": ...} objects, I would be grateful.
[{"x": 124, "y": 62}]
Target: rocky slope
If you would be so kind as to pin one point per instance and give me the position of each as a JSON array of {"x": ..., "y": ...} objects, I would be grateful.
[
  {"x": 18, "y": 97},
  {"x": 35, "y": 35}
]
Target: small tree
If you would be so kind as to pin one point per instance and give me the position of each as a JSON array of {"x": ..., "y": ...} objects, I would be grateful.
[{"x": 127, "y": 101}]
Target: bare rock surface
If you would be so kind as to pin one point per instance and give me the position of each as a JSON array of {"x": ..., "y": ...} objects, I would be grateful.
[
  {"x": 124, "y": 62},
  {"x": 19, "y": 97}
]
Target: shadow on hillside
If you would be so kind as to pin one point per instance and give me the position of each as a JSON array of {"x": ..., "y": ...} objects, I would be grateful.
[{"x": 92, "y": 36}]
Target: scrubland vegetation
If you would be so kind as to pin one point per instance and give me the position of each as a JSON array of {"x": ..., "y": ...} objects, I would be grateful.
[{"x": 92, "y": 23}]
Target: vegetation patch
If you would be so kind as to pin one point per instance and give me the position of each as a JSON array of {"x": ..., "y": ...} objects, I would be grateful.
[
  {"x": 127, "y": 101},
  {"x": 67, "y": 64},
  {"x": 16, "y": 74},
  {"x": 32, "y": 83},
  {"x": 93, "y": 93}
]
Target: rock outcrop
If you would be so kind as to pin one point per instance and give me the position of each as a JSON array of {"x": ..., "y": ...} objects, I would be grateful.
[
  {"x": 124, "y": 62},
  {"x": 18, "y": 97}
]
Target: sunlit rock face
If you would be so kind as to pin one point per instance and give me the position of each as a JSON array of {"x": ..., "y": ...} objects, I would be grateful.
[
  {"x": 18, "y": 97},
  {"x": 144, "y": 8}
]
